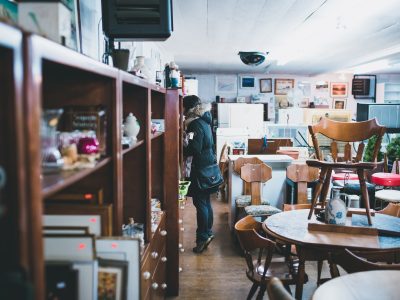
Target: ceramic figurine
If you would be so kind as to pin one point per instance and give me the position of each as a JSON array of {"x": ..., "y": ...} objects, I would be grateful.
[
  {"x": 131, "y": 127},
  {"x": 140, "y": 68},
  {"x": 336, "y": 210}
]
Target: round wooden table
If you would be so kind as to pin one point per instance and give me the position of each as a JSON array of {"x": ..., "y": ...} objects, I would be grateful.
[
  {"x": 292, "y": 227},
  {"x": 369, "y": 285}
]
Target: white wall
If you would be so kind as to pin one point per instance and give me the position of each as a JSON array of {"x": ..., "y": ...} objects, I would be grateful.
[
  {"x": 93, "y": 39},
  {"x": 207, "y": 86}
]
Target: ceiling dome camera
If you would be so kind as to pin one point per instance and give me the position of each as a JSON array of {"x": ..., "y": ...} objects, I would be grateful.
[{"x": 253, "y": 58}]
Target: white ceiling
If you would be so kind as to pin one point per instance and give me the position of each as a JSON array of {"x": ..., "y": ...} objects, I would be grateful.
[{"x": 306, "y": 37}]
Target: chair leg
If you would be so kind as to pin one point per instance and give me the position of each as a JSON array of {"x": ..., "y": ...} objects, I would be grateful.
[
  {"x": 287, "y": 287},
  {"x": 325, "y": 187},
  {"x": 320, "y": 262},
  {"x": 318, "y": 189},
  {"x": 261, "y": 292},
  {"x": 364, "y": 192},
  {"x": 252, "y": 291}
]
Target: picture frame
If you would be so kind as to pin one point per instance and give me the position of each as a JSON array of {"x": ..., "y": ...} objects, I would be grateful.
[
  {"x": 247, "y": 82},
  {"x": 125, "y": 249},
  {"x": 112, "y": 279},
  {"x": 240, "y": 99},
  {"x": 61, "y": 280},
  {"x": 225, "y": 84},
  {"x": 88, "y": 212},
  {"x": 305, "y": 102},
  {"x": 266, "y": 85},
  {"x": 282, "y": 86},
  {"x": 80, "y": 251},
  {"x": 339, "y": 89},
  {"x": 76, "y": 32},
  {"x": 339, "y": 103}
]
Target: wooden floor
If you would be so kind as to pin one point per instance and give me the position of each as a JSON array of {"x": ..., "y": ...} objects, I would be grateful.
[{"x": 219, "y": 272}]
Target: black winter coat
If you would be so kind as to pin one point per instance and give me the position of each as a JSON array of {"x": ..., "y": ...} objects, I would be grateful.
[{"x": 201, "y": 147}]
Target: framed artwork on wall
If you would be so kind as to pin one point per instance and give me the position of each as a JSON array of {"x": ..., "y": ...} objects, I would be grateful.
[
  {"x": 247, "y": 82},
  {"x": 226, "y": 84},
  {"x": 282, "y": 86},
  {"x": 339, "y": 103},
  {"x": 339, "y": 89},
  {"x": 266, "y": 85}
]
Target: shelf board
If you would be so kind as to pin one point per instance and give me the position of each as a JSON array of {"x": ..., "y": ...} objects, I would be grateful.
[
  {"x": 136, "y": 145},
  {"x": 157, "y": 134},
  {"x": 54, "y": 182}
]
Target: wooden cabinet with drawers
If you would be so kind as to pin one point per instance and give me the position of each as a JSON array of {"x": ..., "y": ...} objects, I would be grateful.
[{"x": 40, "y": 75}]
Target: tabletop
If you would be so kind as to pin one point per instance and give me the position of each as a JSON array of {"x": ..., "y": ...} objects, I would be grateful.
[
  {"x": 264, "y": 157},
  {"x": 292, "y": 226},
  {"x": 357, "y": 286}
]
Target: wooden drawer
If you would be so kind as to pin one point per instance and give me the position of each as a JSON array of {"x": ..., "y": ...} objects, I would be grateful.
[
  {"x": 146, "y": 273},
  {"x": 158, "y": 283},
  {"x": 157, "y": 243}
]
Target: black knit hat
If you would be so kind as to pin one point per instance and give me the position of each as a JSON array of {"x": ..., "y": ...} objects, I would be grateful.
[{"x": 190, "y": 101}]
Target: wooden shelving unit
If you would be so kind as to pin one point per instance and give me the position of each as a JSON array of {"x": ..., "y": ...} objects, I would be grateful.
[
  {"x": 15, "y": 227},
  {"x": 37, "y": 75}
]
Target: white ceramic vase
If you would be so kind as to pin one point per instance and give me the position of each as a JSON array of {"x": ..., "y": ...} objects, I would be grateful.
[
  {"x": 131, "y": 127},
  {"x": 140, "y": 67},
  {"x": 335, "y": 210}
]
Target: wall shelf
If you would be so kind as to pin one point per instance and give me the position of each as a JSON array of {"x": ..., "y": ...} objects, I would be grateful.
[
  {"x": 56, "y": 181},
  {"x": 136, "y": 145}
]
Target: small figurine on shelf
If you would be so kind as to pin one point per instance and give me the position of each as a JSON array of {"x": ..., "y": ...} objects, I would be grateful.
[
  {"x": 174, "y": 75},
  {"x": 131, "y": 127},
  {"x": 134, "y": 230}
]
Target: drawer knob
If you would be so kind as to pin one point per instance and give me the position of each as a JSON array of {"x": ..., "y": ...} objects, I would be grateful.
[
  {"x": 163, "y": 232},
  {"x": 182, "y": 250},
  {"x": 154, "y": 254},
  {"x": 180, "y": 245},
  {"x": 180, "y": 221},
  {"x": 182, "y": 229},
  {"x": 164, "y": 286},
  {"x": 154, "y": 285},
  {"x": 164, "y": 259},
  {"x": 180, "y": 269},
  {"x": 146, "y": 275}
]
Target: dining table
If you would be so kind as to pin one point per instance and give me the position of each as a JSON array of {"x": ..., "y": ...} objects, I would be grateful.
[
  {"x": 369, "y": 285},
  {"x": 292, "y": 227}
]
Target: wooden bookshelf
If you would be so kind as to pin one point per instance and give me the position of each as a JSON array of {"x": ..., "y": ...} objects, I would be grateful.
[{"x": 37, "y": 75}]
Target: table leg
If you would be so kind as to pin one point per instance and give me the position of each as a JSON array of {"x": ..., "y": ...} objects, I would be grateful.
[{"x": 300, "y": 273}]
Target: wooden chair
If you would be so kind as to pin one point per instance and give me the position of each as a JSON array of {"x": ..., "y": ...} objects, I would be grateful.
[
  {"x": 245, "y": 199},
  {"x": 255, "y": 174},
  {"x": 276, "y": 290},
  {"x": 260, "y": 268},
  {"x": 391, "y": 209},
  {"x": 301, "y": 175},
  {"x": 352, "y": 263},
  {"x": 344, "y": 132}
]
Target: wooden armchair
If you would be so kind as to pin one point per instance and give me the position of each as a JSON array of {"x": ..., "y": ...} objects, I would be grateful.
[
  {"x": 260, "y": 268},
  {"x": 348, "y": 132}
]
